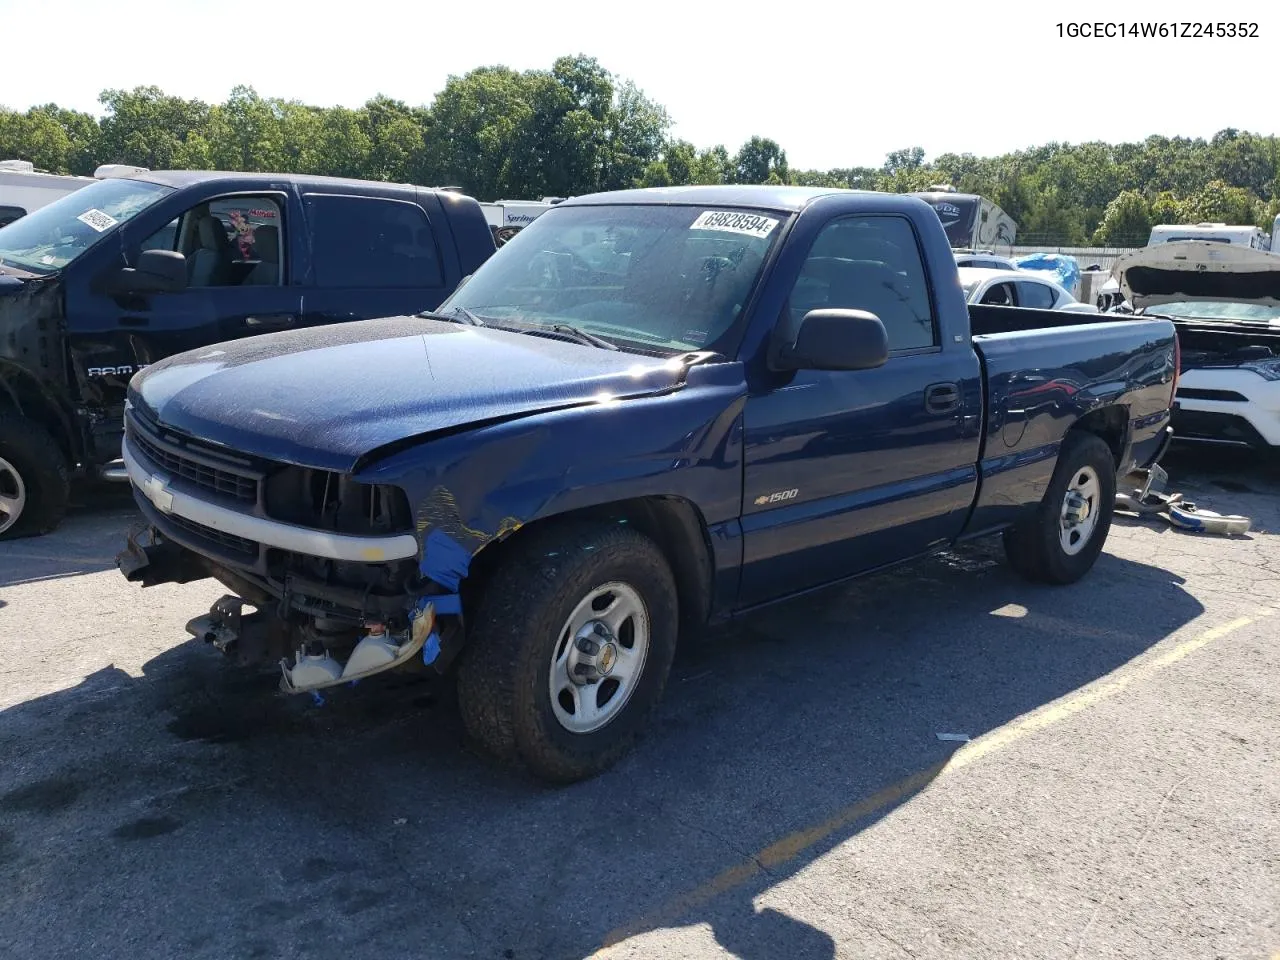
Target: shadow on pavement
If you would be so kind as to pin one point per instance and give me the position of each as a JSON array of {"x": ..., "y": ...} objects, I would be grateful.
[
  {"x": 86, "y": 541},
  {"x": 193, "y": 812}
]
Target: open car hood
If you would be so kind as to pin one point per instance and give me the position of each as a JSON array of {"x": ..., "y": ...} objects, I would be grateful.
[{"x": 1198, "y": 270}]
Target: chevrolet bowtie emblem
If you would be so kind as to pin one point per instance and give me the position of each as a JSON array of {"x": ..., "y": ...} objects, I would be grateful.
[{"x": 155, "y": 490}]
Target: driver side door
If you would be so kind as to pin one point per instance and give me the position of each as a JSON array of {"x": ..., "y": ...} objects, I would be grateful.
[
  {"x": 849, "y": 470},
  {"x": 238, "y": 284}
]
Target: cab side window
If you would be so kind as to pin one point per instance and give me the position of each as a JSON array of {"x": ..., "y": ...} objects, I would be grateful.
[
  {"x": 870, "y": 263},
  {"x": 228, "y": 242},
  {"x": 371, "y": 242}
]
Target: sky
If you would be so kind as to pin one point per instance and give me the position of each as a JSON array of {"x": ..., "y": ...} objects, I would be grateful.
[{"x": 836, "y": 85}]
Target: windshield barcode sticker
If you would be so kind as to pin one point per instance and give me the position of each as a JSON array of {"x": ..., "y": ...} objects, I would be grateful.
[
  {"x": 97, "y": 220},
  {"x": 751, "y": 224}
]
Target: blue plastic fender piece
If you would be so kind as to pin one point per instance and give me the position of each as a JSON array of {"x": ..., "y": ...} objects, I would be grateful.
[
  {"x": 444, "y": 560},
  {"x": 431, "y": 649},
  {"x": 446, "y": 602}
]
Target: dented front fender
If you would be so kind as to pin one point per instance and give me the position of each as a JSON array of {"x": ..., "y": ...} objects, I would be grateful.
[{"x": 472, "y": 489}]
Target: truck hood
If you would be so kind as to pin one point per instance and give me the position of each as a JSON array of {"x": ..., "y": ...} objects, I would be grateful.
[
  {"x": 1198, "y": 270},
  {"x": 326, "y": 397}
]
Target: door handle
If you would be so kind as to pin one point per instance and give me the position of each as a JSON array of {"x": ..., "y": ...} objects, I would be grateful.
[
  {"x": 941, "y": 397},
  {"x": 270, "y": 321}
]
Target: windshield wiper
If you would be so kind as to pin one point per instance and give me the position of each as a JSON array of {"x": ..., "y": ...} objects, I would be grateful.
[
  {"x": 458, "y": 315},
  {"x": 582, "y": 336}
]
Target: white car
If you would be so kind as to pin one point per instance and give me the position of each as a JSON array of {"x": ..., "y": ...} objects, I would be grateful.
[
  {"x": 1224, "y": 301},
  {"x": 1018, "y": 288},
  {"x": 985, "y": 260}
]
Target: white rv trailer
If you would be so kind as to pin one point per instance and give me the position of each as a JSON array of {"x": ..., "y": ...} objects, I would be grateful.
[
  {"x": 1236, "y": 235},
  {"x": 506, "y": 218},
  {"x": 971, "y": 222},
  {"x": 23, "y": 188}
]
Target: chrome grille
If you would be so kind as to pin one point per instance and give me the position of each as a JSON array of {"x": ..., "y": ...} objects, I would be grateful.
[{"x": 177, "y": 462}]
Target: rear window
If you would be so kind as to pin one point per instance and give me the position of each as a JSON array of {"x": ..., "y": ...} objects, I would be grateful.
[{"x": 368, "y": 242}]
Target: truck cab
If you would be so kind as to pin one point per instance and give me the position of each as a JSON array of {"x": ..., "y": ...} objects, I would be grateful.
[{"x": 132, "y": 268}]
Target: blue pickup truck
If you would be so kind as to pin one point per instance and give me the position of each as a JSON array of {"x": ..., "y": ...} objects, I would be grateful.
[{"x": 650, "y": 411}]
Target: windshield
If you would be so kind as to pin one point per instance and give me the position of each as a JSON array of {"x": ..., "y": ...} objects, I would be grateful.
[
  {"x": 47, "y": 239},
  {"x": 664, "y": 279},
  {"x": 1215, "y": 310}
]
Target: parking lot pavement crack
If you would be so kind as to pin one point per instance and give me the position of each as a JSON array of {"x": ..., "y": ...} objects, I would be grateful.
[
  {"x": 872, "y": 928},
  {"x": 723, "y": 841},
  {"x": 1132, "y": 859}
]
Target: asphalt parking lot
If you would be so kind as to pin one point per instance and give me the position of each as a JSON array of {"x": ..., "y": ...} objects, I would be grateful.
[{"x": 1118, "y": 794}]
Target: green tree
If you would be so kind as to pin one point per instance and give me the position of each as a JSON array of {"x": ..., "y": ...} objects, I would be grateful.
[
  {"x": 656, "y": 175},
  {"x": 1166, "y": 208},
  {"x": 758, "y": 160},
  {"x": 51, "y": 138},
  {"x": 477, "y": 121},
  {"x": 145, "y": 126},
  {"x": 713, "y": 166},
  {"x": 1218, "y": 202},
  {"x": 1127, "y": 221},
  {"x": 680, "y": 158},
  {"x": 1267, "y": 213},
  {"x": 909, "y": 158}
]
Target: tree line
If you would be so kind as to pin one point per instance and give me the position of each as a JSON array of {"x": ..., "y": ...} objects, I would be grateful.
[{"x": 577, "y": 128}]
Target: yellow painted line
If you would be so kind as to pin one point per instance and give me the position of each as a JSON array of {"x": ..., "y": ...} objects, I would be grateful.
[{"x": 794, "y": 844}]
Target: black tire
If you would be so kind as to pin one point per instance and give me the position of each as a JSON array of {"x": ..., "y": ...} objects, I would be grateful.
[
  {"x": 38, "y": 461},
  {"x": 1034, "y": 546},
  {"x": 503, "y": 674}
]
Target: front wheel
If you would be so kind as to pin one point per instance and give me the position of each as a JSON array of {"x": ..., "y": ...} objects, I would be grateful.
[
  {"x": 1060, "y": 542},
  {"x": 570, "y": 650},
  {"x": 34, "y": 484}
]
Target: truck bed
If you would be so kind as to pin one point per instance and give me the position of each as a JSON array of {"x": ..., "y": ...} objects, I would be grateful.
[{"x": 1043, "y": 373}]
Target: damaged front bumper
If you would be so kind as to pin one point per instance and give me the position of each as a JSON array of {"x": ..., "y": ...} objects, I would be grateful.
[
  {"x": 230, "y": 630},
  {"x": 312, "y": 650}
]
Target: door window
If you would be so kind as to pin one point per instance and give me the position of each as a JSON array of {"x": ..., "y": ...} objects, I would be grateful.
[
  {"x": 10, "y": 214},
  {"x": 1000, "y": 295},
  {"x": 1032, "y": 294},
  {"x": 872, "y": 264},
  {"x": 368, "y": 242},
  {"x": 228, "y": 242}
]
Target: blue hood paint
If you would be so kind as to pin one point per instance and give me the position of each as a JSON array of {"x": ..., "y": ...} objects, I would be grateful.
[{"x": 324, "y": 397}]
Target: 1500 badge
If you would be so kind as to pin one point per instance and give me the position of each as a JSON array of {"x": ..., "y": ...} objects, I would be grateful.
[
  {"x": 122, "y": 370},
  {"x": 778, "y": 497}
]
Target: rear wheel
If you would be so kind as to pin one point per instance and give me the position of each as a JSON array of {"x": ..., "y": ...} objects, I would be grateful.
[
  {"x": 34, "y": 483},
  {"x": 570, "y": 650},
  {"x": 1060, "y": 542}
]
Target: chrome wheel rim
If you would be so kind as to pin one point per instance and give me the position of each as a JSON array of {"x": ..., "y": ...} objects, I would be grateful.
[
  {"x": 599, "y": 657},
  {"x": 13, "y": 495},
  {"x": 1080, "y": 509}
]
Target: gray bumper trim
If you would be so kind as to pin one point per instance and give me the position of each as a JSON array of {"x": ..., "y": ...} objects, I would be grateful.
[{"x": 286, "y": 536}]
